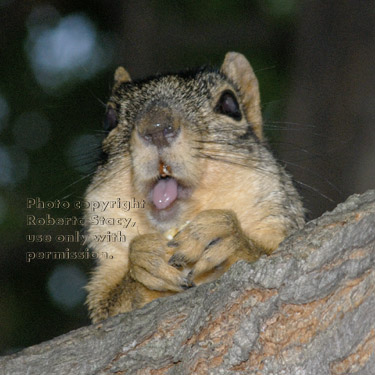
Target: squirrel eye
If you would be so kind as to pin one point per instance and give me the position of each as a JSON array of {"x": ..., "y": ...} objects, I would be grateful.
[
  {"x": 228, "y": 105},
  {"x": 110, "y": 119}
]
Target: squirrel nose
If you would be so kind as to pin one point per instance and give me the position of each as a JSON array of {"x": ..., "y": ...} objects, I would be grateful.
[
  {"x": 159, "y": 134},
  {"x": 158, "y": 126}
]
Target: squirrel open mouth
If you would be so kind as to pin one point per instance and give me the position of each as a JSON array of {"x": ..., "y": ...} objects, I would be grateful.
[{"x": 165, "y": 191}]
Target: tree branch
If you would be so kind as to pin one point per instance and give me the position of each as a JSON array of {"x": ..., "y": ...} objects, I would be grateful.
[{"x": 309, "y": 308}]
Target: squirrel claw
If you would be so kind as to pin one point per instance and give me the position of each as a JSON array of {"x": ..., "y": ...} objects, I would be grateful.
[
  {"x": 187, "y": 284},
  {"x": 172, "y": 244},
  {"x": 177, "y": 261}
]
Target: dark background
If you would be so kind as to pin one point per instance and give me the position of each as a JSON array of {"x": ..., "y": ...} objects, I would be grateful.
[{"x": 315, "y": 64}]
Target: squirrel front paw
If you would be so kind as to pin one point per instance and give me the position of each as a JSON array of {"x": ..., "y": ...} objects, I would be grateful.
[
  {"x": 148, "y": 264},
  {"x": 211, "y": 242}
]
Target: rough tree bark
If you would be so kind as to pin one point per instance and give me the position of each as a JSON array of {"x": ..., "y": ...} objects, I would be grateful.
[{"x": 309, "y": 308}]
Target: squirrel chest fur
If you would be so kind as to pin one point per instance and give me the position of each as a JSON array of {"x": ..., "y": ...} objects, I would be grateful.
[{"x": 190, "y": 145}]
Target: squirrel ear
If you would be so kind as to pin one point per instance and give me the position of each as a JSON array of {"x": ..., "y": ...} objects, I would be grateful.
[
  {"x": 121, "y": 76},
  {"x": 238, "y": 69}
]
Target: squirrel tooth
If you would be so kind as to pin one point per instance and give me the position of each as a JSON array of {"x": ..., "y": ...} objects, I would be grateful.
[{"x": 164, "y": 170}]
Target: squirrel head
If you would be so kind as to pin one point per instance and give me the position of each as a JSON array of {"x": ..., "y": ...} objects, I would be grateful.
[{"x": 169, "y": 130}]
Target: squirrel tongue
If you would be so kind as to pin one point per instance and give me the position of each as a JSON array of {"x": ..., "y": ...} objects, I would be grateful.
[{"x": 164, "y": 193}]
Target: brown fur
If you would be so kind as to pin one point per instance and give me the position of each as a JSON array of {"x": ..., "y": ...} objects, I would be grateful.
[{"x": 239, "y": 201}]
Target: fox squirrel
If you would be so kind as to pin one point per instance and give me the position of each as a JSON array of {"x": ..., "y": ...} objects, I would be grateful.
[{"x": 191, "y": 146}]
